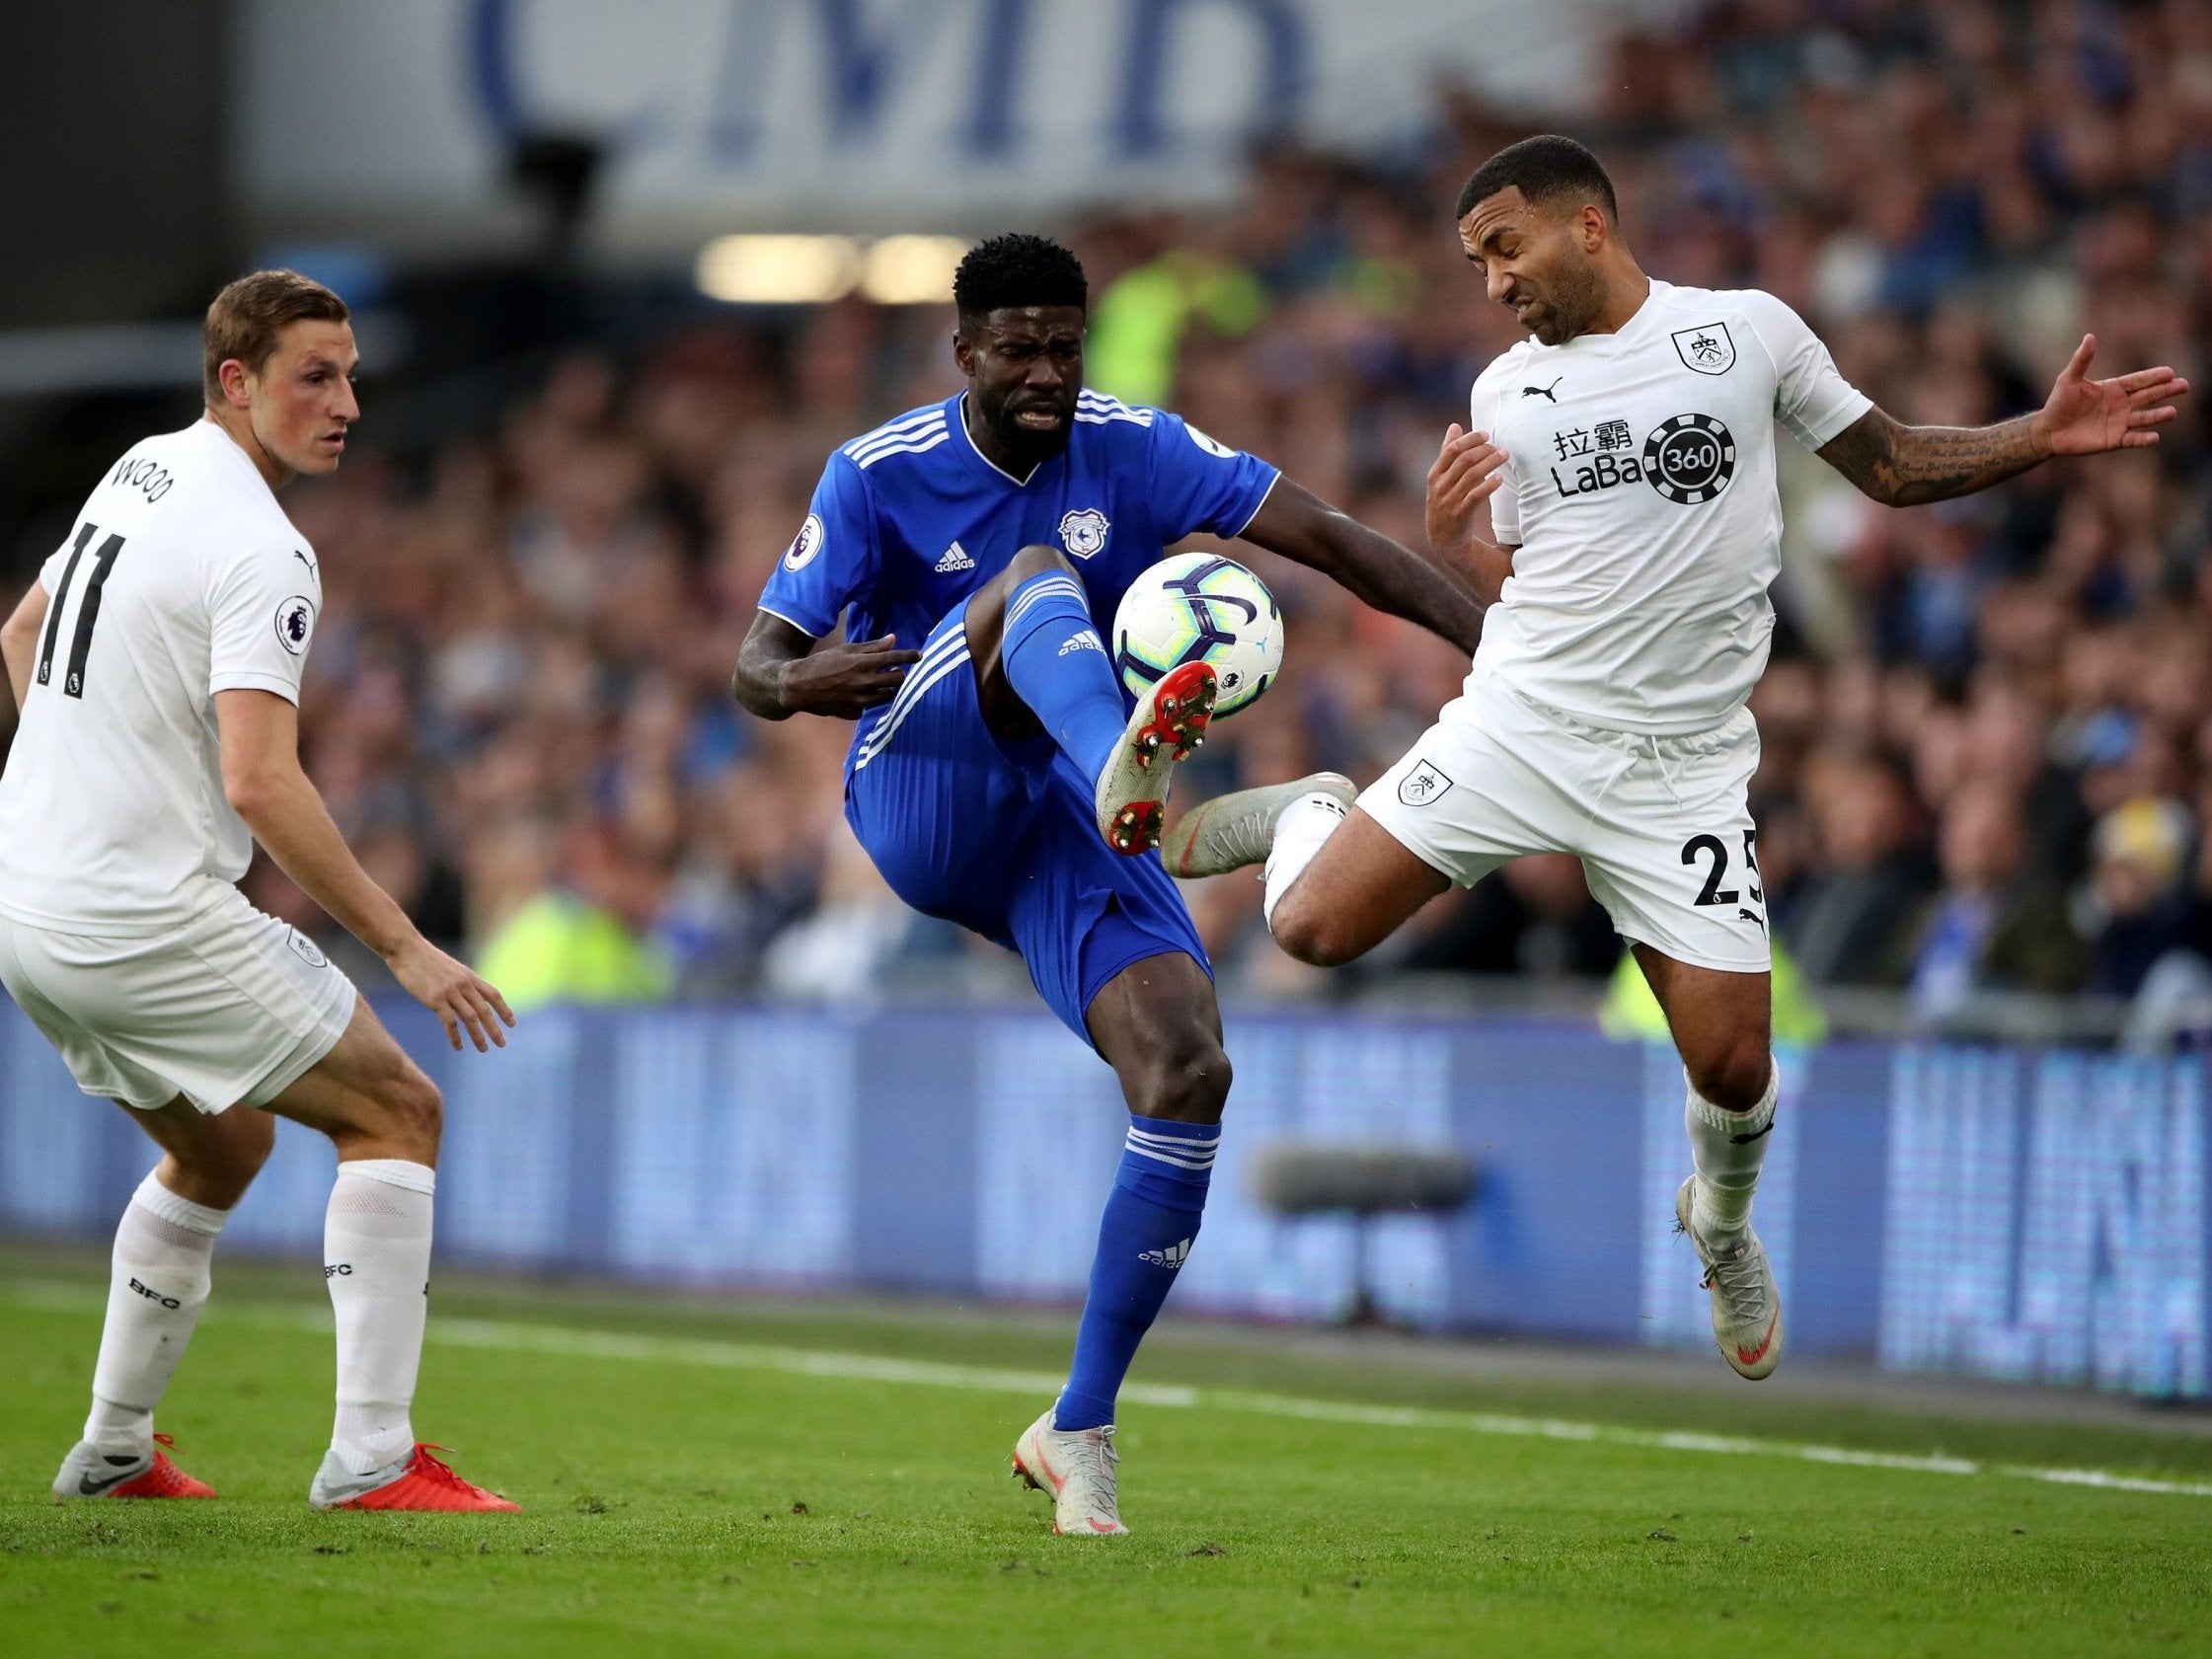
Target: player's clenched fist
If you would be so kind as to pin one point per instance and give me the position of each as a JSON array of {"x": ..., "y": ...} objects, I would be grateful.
[
  {"x": 454, "y": 992},
  {"x": 846, "y": 681}
]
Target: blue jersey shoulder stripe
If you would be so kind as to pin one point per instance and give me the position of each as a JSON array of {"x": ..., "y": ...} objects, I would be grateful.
[
  {"x": 918, "y": 420},
  {"x": 916, "y": 446},
  {"x": 1097, "y": 409}
]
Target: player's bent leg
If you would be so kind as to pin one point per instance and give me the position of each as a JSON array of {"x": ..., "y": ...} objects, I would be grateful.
[
  {"x": 1041, "y": 662},
  {"x": 208, "y": 1158},
  {"x": 385, "y": 1117},
  {"x": 1721, "y": 1022},
  {"x": 367, "y": 1093},
  {"x": 159, "y": 1284},
  {"x": 1338, "y": 883},
  {"x": 1157, "y": 1023}
]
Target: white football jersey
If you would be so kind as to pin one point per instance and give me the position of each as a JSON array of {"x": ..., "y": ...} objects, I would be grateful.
[
  {"x": 1642, "y": 495},
  {"x": 182, "y": 577}
]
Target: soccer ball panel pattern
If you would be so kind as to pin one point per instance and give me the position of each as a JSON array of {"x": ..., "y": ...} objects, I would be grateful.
[{"x": 1200, "y": 607}]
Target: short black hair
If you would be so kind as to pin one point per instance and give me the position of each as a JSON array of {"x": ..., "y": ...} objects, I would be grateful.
[
  {"x": 1543, "y": 169},
  {"x": 1017, "y": 271}
]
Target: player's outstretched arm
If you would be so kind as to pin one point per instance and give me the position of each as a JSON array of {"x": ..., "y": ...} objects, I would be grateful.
[
  {"x": 780, "y": 673},
  {"x": 1298, "y": 524},
  {"x": 19, "y": 639},
  {"x": 1905, "y": 466},
  {"x": 263, "y": 780}
]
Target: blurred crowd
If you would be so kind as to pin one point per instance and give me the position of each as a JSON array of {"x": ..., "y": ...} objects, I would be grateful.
[{"x": 1988, "y": 726}]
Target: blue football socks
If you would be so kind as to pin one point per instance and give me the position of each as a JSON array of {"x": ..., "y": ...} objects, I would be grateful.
[
  {"x": 1151, "y": 1218},
  {"x": 1059, "y": 666}
]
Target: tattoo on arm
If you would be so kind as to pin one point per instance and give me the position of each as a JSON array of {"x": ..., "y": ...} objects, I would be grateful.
[{"x": 1906, "y": 465}]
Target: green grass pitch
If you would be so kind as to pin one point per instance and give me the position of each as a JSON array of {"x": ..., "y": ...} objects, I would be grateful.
[{"x": 765, "y": 1479}]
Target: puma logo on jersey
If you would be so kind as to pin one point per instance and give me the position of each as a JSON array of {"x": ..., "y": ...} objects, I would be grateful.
[
  {"x": 1743, "y": 915},
  {"x": 955, "y": 559},
  {"x": 1543, "y": 391}
]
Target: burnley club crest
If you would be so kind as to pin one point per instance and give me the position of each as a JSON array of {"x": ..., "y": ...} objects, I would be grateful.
[{"x": 1705, "y": 347}]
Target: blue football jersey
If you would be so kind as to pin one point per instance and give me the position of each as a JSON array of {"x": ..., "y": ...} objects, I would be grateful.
[{"x": 910, "y": 519}]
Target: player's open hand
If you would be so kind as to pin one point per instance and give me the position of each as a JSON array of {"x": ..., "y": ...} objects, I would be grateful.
[
  {"x": 1464, "y": 476},
  {"x": 454, "y": 992},
  {"x": 846, "y": 681},
  {"x": 2085, "y": 417}
]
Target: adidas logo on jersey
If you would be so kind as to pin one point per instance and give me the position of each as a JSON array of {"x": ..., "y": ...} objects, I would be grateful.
[
  {"x": 955, "y": 559},
  {"x": 1086, "y": 641},
  {"x": 1174, "y": 1256}
]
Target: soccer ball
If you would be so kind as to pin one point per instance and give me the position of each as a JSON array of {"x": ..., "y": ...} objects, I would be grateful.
[{"x": 1199, "y": 607}]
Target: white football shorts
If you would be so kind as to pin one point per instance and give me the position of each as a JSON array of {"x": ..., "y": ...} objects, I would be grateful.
[
  {"x": 1663, "y": 825},
  {"x": 229, "y": 1010}
]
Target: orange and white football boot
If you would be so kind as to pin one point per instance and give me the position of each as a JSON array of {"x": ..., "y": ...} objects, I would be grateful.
[
  {"x": 419, "y": 1481},
  {"x": 88, "y": 1473}
]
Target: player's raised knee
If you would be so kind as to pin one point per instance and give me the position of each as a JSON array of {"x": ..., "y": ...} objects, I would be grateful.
[
  {"x": 1309, "y": 932},
  {"x": 1734, "y": 1075},
  {"x": 414, "y": 1111},
  {"x": 1186, "y": 1080},
  {"x": 1034, "y": 561}
]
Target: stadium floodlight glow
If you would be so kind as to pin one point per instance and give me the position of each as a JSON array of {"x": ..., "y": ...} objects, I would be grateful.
[
  {"x": 779, "y": 270},
  {"x": 912, "y": 270},
  {"x": 816, "y": 269}
]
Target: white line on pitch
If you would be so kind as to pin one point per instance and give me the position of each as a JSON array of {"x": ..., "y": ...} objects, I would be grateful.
[{"x": 514, "y": 1337}]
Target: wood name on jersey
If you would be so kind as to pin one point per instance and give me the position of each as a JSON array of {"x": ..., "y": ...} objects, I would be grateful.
[{"x": 1688, "y": 459}]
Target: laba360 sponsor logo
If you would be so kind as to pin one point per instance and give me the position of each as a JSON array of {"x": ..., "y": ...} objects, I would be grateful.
[{"x": 1689, "y": 459}]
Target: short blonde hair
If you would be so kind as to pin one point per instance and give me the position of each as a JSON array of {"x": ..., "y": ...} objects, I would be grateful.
[{"x": 250, "y": 314}]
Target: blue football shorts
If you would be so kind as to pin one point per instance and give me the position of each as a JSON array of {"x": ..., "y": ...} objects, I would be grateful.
[{"x": 999, "y": 836}]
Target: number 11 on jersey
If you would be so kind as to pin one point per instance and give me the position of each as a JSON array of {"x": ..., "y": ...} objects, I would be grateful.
[{"x": 87, "y": 610}]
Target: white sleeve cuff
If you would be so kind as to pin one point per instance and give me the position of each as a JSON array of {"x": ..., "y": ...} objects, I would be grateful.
[
  {"x": 249, "y": 679},
  {"x": 811, "y": 633}
]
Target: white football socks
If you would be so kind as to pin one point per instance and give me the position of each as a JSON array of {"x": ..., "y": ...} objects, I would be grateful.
[
  {"x": 1727, "y": 1149},
  {"x": 1300, "y": 829},
  {"x": 376, "y": 1258},
  {"x": 163, "y": 1248}
]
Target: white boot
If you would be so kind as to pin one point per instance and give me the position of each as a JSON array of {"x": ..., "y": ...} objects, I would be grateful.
[{"x": 1076, "y": 1465}]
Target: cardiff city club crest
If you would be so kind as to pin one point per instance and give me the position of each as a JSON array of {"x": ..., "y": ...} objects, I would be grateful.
[
  {"x": 1083, "y": 532},
  {"x": 1707, "y": 348}
]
